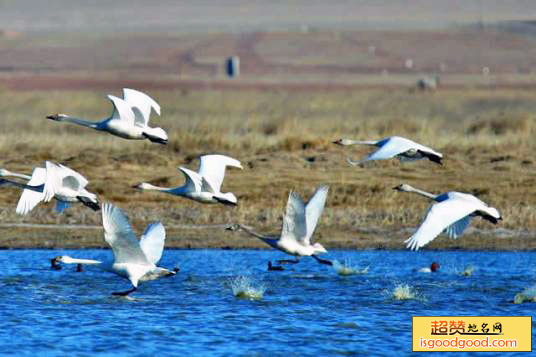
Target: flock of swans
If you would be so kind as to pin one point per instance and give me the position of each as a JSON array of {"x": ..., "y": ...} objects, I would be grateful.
[{"x": 136, "y": 260}]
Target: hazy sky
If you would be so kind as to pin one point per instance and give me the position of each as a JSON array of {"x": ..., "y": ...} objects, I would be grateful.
[{"x": 237, "y": 15}]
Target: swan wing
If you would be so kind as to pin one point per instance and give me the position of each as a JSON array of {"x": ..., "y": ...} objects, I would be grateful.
[
  {"x": 122, "y": 110},
  {"x": 440, "y": 216},
  {"x": 29, "y": 198},
  {"x": 313, "y": 210},
  {"x": 141, "y": 105},
  {"x": 82, "y": 181},
  {"x": 152, "y": 241},
  {"x": 119, "y": 235},
  {"x": 194, "y": 181},
  {"x": 390, "y": 148},
  {"x": 212, "y": 168},
  {"x": 53, "y": 180},
  {"x": 457, "y": 228},
  {"x": 294, "y": 220}
]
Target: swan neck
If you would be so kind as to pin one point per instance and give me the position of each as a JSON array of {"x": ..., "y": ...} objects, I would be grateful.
[
  {"x": 14, "y": 174},
  {"x": 424, "y": 193},
  {"x": 24, "y": 186},
  {"x": 253, "y": 233},
  {"x": 87, "y": 123},
  {"x": 148, "y": 186},
  {"x": 84, "y": 261},
  {"x": 360, "y": 142}
]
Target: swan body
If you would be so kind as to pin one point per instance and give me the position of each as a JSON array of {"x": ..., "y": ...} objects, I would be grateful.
[
  {"x": 451, "y": 213},
  {"x": 394, "y": 146},
  {"x": 299, "y": 223},
  {"x": 129, "y": 120},
  {"x": 52, "y": 181},
  {"x": 133, "y": 260},
  {"x": 205, "y": 185}
]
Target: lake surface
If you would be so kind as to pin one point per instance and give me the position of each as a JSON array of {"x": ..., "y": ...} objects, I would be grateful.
[{"x": 308, "y": 309}]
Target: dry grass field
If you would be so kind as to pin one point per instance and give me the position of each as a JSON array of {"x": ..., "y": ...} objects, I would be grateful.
[
  {"x": 298, "y": 92},
  {"x": 284, "y": 141}
]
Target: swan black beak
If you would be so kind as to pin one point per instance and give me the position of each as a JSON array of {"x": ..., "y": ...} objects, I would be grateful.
[{"x": 53, "y": 117}]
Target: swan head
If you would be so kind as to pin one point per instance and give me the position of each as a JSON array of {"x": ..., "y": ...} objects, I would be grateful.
[
  {"x": 343, "y": 142},
  {"x": 403, "y": 188},
  {"x": 4, "y": 172},
  {"x": 142, "y": 186},
  {"x": 63, "y": 259},
  {"x": 156, "y": 135},
  {"x": 233, "y": 227},
  {"x": 57, "y": 117},
  {"x": 319, "y": 248},
  {"x": 434, "y": 267}
]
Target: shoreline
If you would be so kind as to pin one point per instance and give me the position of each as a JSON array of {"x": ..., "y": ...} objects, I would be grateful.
[{"x": 182, "y": 237}]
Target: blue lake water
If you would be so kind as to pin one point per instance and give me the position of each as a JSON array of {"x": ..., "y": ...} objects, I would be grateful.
[{"x": 307, "y": 309}]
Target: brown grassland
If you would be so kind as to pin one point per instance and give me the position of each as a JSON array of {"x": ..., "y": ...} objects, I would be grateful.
[{"x": 283, "y": 136}]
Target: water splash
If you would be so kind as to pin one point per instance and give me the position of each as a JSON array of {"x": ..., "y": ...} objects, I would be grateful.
[
  {"x": 243, "y": 288},
  {"x": 404, "y": 292},
  {"x": 346, "y": 268},
  {"x": 527, "y": 295},
  {"x": 468, "y": 271}
]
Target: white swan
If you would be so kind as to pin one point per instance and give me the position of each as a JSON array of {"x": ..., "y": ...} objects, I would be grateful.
[
  {"x": 52, "y": 181},
  {"x": 133, "y": 260},
  {"x": 203, "y": 186},
  {"x": 451, "y": 214},
  {"x": 129, "y": 120},
  {"x": 394, "y": 146},
  {"x": 299, "y": 224}
]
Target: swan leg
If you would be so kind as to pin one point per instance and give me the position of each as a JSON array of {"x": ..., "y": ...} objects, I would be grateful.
[
  {"x": 79, "y": 268},
  {"x": 289, "y": 261},
  {"x": 274, "y": 267},
  {"x": 124, "y": 293},
  {"x": 322, "y": 261}
]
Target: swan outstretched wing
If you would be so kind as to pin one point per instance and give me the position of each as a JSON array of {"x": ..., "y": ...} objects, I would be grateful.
[
  {"x": 390, "y": 148},
  {"x": 68, "y": 172},
  {"x": 53, "y": 180},
  {"x": 118, "y": 234},
  {"x": 141, "y": 105},
  {"x": 457, "y": 228},
  {"x": 30, "y": 198},
  {"x": 194, "y": 181},
  {"x": 313, "y": 210},
  {"x": 152, "y": 241},
  {"x": 294, "y": 220},
  {"x": 122, "y": 110},
  {"x": 212, "y": 168},
  {"x": 440, "y": 216}
]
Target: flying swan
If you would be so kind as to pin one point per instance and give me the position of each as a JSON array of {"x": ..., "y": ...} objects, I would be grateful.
[
  {"x": 52, "y": 181},
  {"x": 129, "y": 120},
  {"x": 133, "y": 260},
  {"x": 299, "y": 224},
  {"x": 394, "y": 146},
  {"x": 451, "y": 214},
  {"x": 205, "y": 185}
]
